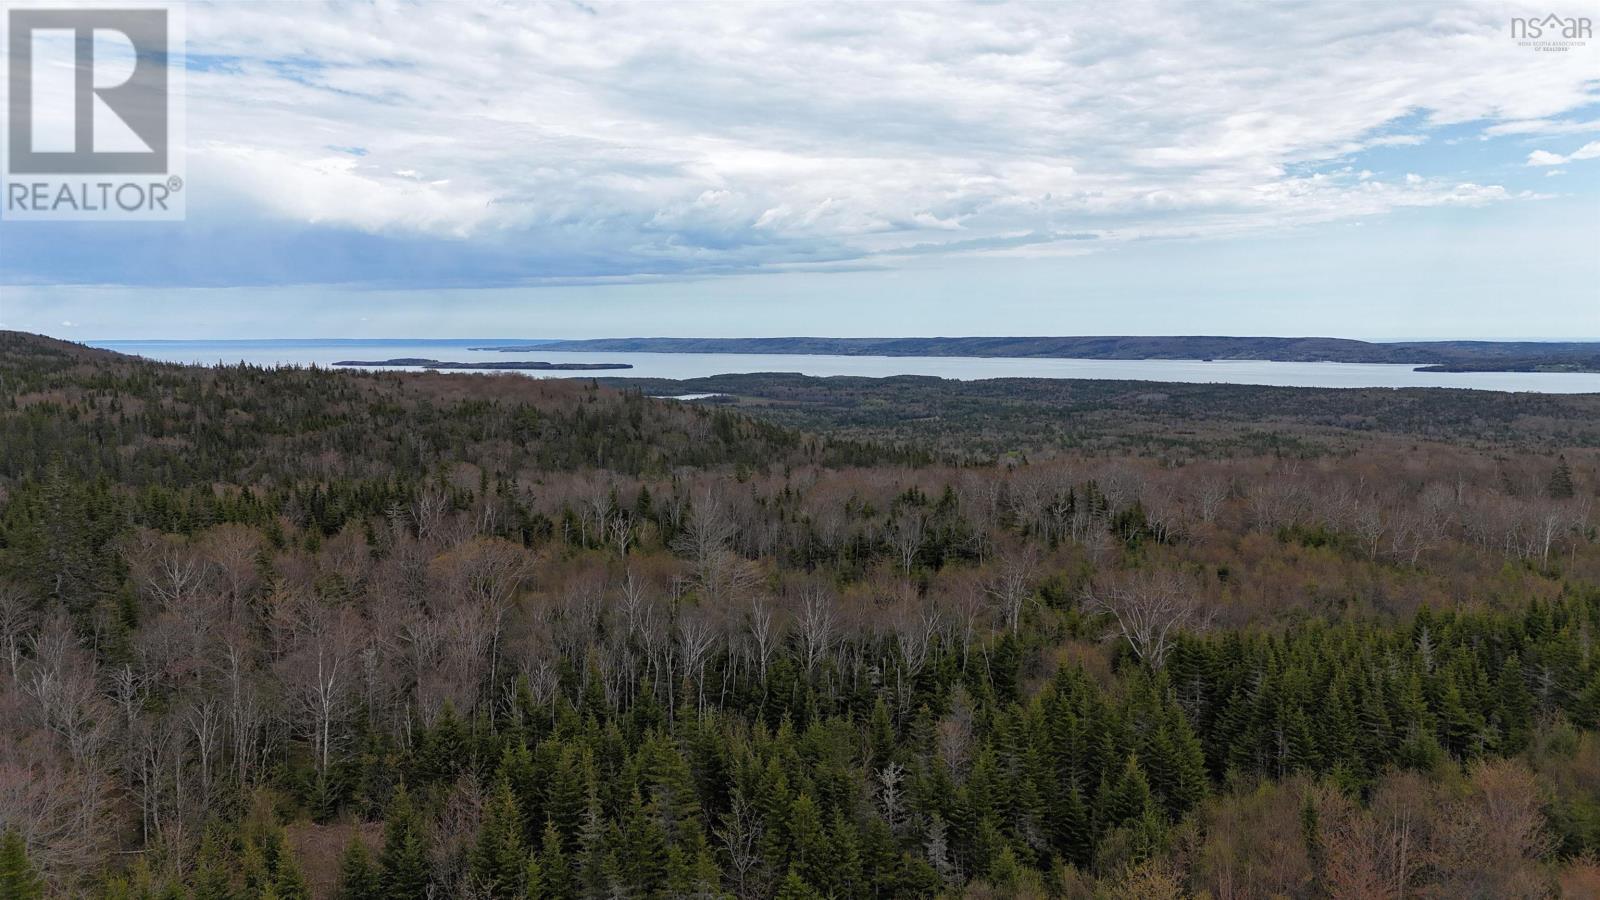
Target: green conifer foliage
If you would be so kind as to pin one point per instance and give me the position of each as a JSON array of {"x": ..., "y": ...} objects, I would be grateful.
[{"x": 19, "y": 880}]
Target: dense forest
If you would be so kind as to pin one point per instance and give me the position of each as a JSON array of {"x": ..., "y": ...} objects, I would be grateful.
[
  {"x": 292, "y": 633},
  {"x": 1015, "y": 417}
]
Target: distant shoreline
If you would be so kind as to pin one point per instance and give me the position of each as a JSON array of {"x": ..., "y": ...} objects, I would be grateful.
[
  {"x": 1428, "y": 356},
  {"x": 417, "y": 363}
]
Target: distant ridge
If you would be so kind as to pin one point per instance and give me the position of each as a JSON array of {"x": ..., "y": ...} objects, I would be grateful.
[{"x": 1458, "y": 355}]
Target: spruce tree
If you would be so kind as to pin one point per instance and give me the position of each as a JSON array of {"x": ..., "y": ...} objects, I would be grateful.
[
  {"x": 794, "y": 887},
  {"x": 1459, "y": 725},
  {"x": 644, "y": 846},
  {"x": 403, "y": 864},
  {"x": 669, "y": 785},
  {"x": 1005, "y": 872},
  {"x": 534, "y": 886},
  {"x": 880, "y": 859},
  {"x": 1514, "y": 707},
  {"x": 518, "y": 769},
  {"x": 212, "y": 878},
  {"x": 255, "y": 869},
  {"x": 1560, "y": 485},
  {"x": 359, "y": 878},
  {"x": 555, "y": 872},
  {"x": 1299, "y": 747},
  {"x": 288, "y": 881},
  {"x": 880, "y": 736},
  {"x": 591, "y": 865},
  {"x": 1071, "y": 828},
  {"x": 567, "y": 793},
  {"x": 809, "y": 852},
  {"x": 1129, "y": 797},
  {"x": 845, "y": 845},
  {"x": 19, "y": 880},
  {"x": 499, "y": 860}
]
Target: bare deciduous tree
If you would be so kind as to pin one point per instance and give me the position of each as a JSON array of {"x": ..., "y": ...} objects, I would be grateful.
[
  {"x": 816, "y": 627},
  {"x": 16, "y": 622},
  {"x": 741, "y": 833},
  {"x": 1012, "y": 585},
  {"x": 906, "y": 533},
  {"x": 320, "y": 672},
  {"x": 1150, "y": 610}
]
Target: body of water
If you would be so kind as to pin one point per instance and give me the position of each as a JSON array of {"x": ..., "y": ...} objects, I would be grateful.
[{"x": 699, "y": 365}]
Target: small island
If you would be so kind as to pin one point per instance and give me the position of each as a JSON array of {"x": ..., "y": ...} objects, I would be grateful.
[{"x": 418, "y": 363}]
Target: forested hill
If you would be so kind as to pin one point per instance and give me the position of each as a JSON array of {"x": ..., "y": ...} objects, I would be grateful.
[
  {"x": 104, "y": 414},
  {"x": 1285, "y": 349},
  {"x": 1010, "y": 415}
]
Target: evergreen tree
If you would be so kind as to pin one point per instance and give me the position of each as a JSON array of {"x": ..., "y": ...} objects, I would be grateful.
[
  {"x": 1514, "y": 707},
  {"x": 809, "y": 851},
  {"x": 880, "y": 859},
  {"x": 212, "y": 878},
  {"x": 794, "y": 887},
  {"x": 534, "y": 886},
  {"x": 1071, "y": 829},
  {"x": 288, "y": 881},
  {"x": 644, "y": 850},
  {"x": 1176, "y": 764},
  {"x": 1005, "y": 873},
  {"x": 1129, "y": 797},
  {"x": 518, "y": 769},
  {"x": 1560, "y": 485},
  {"x": 1336, "y": 730},
  {"x": 359, "y": 877},
  {"x": 594, "y": 874},
  {"x": 846, "y": 874},
  {"x": 403, "y": 864},
  {"x": 1297, "y": 746},
  {"x": 567, "y": 794},
  {"x": 880, "y": 736},
  {"x": 255, "y": 870},
  {"x": 1459, "y": 725},
  {"x": 555, "y": 872},
  {"x": 670, "y": 787},
  {"x": 499, "y": 860},
  {"x": 269, "y": 866},
  {"x": 19, "y": 880}
]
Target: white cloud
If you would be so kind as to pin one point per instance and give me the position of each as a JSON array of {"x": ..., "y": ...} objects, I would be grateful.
[
  {"x": 702, "y": 136},
  {"x": 1542, "y": 126},
  {"x": 1590, "y": 150}
]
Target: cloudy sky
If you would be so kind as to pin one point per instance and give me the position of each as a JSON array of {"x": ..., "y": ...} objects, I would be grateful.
[{"x": 443, "y": 169}]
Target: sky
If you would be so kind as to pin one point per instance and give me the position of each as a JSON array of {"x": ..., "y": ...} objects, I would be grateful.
[{"x": 1347, "y": 168}]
